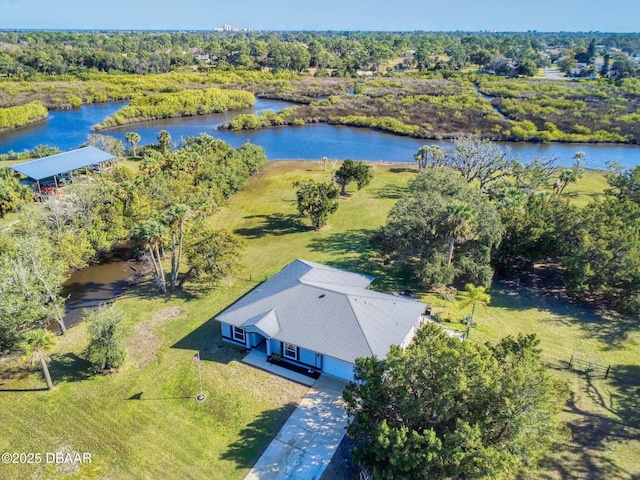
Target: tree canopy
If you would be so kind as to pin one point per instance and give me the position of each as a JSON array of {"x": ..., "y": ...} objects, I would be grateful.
[
  {"x": 443, "y": 229},
  {"x": 351, "y": 171},
  {"x": 602, "y": 257},
  {"x": 31, "y": 53},
  {"x": 105, "y": 350},
  {"x": 445, "y": 409},
  {"x": 35, "y": 346},
  {"x": 317, "y": 200}
]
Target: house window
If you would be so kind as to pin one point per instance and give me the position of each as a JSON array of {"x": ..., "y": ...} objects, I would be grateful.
[
  {"x": 290, "y": 351},
  {"x": 238, "y": 334}
]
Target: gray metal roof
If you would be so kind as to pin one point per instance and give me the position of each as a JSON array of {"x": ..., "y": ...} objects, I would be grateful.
[
  {"x": 333, "y": 314},
  {"x": 264, "y": 324},
  {"x": 61, "y": 163}
]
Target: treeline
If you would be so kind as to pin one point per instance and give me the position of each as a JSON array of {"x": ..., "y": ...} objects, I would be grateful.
[
  {"x": 162, "y": 209},
  {"x": 12, "y": 117},
  {"x": 180, "y": 104},
  {"x": 39, "y": 152},
  {"x": 472, "y": 210},
  {"x": 25, "y": 54}
]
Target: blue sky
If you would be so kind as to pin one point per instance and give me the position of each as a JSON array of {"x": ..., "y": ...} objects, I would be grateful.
[{"x": 439, "y": 15}]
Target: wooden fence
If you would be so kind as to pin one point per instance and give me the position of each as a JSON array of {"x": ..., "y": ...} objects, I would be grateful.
[{"x": 589, "y": 368}]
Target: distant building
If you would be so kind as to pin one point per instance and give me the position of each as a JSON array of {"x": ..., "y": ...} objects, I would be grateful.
[{"x": 229, "y": 28}]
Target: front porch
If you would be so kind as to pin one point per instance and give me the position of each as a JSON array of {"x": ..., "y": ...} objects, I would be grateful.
[{"x": 258, "y": 358}]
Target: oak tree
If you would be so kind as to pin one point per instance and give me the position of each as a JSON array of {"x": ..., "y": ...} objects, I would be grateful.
[
  {"x": 351, "y": 171},
  {"x": 442, "y": 213},
  {"x": 446, "y": 409},
  {"x": 317, "y": 200}
]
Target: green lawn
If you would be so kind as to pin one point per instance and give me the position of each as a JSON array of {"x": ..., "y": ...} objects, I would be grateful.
[
  {"x": 589, "y": 187},
  {"x": 142, "y": 422},
  {"x": 603, "y": 415}
]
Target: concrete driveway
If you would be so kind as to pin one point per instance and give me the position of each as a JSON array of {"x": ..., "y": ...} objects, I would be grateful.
[{"x": 304, "y": 446}]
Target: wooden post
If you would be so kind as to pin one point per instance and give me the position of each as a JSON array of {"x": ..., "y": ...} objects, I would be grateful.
[
  {"x": 571, "y": 361},
  {"x": 606, "y": 375}
]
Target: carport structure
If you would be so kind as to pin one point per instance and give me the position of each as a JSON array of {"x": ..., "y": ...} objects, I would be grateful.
[{"x": 55, "y": 165}]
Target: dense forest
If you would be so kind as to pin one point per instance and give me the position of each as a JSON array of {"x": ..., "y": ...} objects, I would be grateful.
[{"x": 25, "y": 54}]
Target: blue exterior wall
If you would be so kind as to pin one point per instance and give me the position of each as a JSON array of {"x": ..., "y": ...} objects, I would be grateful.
[
  {"x": 254, "y": 339},
  {"x": 337, "y": 368},
  {"x": 307, "y": 356},
  {"x": 226, "y": 334},
  {"x": 226, "y": 329}
]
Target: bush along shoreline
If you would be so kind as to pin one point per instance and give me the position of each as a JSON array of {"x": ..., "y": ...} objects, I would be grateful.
[
  {"x": 181, "y": 104},
  {"x": 21, "y": 115}
]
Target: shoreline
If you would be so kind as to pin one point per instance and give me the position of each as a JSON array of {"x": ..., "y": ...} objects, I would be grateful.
[{"x": 436, "y": 137}]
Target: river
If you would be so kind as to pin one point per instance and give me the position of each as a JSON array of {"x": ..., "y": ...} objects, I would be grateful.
[{"x": 69, "y": 129}]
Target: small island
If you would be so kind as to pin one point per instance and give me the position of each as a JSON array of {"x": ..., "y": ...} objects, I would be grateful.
[
  {"x": 21, "y": 115},
  {"x": 179, "y": 104}
]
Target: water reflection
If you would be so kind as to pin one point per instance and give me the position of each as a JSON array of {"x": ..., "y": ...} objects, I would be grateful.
[{"x": 95, "y": 284}]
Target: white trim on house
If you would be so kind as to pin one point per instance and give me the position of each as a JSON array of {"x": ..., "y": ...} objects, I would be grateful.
[
  {"x": 239, "y": 334},
  {"x": 290, "y": 351}
]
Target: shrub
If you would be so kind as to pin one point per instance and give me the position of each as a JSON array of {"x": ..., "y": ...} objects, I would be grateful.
[
  {"x": 12, "y": 117},
  {"x": 105, "y": 350}
]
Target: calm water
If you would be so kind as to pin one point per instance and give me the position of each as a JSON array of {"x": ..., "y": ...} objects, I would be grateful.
[
  {"x": 66, "y": 129},
  {"x": 312, "y": 142},
  {"x": 93, "y": 285},
  {"x": 69, "y": 129}
]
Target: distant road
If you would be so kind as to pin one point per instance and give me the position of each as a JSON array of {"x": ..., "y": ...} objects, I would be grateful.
[{"x": 552, "y": 73}]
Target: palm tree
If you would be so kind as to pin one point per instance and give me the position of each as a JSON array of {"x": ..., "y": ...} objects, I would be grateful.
[
  {"x": 458, "y": 225},
  {"x": 471, "y": 296},
  {"x": 570, "y": 175},
  {"x": 433, "y": 151},
  {"x": 151, "y": 234},
  {"x": 176, "y": 217},
  {"x": 152, "y": 162},
  {"x": 164, "y": 139},
  {"x": 35, "y": 346},
  {"x": 133, "y": 138}
]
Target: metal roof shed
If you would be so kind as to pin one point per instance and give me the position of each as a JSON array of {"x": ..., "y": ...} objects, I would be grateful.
[{"x": 61, "y": 163}]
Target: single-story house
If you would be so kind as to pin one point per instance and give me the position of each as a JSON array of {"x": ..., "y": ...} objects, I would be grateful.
[{"x": 321, "y": 317}]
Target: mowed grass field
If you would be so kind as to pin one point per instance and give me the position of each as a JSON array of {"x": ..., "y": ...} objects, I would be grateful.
[{"x": 143, "y": 423}]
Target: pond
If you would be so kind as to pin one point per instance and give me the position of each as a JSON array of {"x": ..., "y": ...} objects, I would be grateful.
[{"x": 95, "y": 284}]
